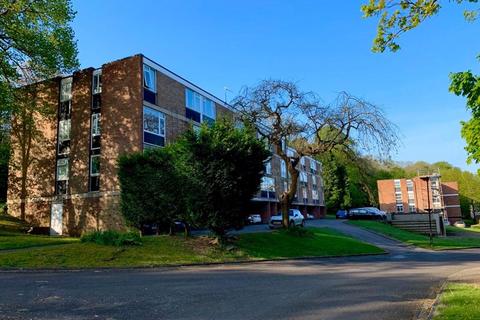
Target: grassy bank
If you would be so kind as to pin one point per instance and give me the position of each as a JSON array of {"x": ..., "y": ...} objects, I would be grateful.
[
  {"x": 170, "y": 250},
  {"x": 458, "y": 301},
  {"x": 439, "y": 243}
]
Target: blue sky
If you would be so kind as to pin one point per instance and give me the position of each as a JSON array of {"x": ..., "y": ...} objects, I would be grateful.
[{"x": 322, "y": 45}]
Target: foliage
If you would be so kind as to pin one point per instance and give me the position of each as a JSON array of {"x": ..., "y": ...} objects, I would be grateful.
[
  {"x": 283, "y": 114},
  {"x": 36, "y": 42},
  {"x": 398, "y": 17},
  {"x": 224, "y": 166},
  {"x": 113, "y": 238},
  {"x": 152, "y": 188}
]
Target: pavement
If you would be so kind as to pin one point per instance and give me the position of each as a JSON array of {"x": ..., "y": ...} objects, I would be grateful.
[{"x": 394, "y": 286}]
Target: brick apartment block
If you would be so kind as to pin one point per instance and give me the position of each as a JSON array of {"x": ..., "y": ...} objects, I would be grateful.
[
  {"x": 124, "y": 106},
  {"x": 410, "y": 196}
]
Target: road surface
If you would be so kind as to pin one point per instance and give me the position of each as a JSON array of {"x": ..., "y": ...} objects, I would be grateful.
[{"x": 393, "y": 286}]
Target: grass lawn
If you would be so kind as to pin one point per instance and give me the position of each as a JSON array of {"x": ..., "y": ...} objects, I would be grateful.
[
  {"x": 463, "y": 230},
  {"x": 12, "y": 235},
  {"x": 459, "y": 301},
  {"x": 168, "y": 250},
  {"x": 439, "y": 243}
]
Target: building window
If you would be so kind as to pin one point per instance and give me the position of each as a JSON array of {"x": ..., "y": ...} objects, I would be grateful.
[
  {"x": 199, "y": 108},
  {"x": 95, "y": 165},
  {"x": 95, "y": 173},
  {"x": 66, "y": 89},
  {"x": 97, "y": 81},
  {"x": 65, "y": 110},
  {"x": 95, "y": 131},
  {"x": 399, "y": 208},
  {"x": 313, "y": 166},
  {"x": 302, "y": 163},
  {"x": 411, "y": 208},
  {"x": 397, "y": 185},
  {"x": 314, "y": 194},
  {"x": 409, "y": 185},
  {"x": 283, "y": 168},
  {"x": 267, "y": 184},
  {"x": 268, "y": 167},
  {"x": 303, "y": 177},
  {"x": 314, "y": 181},
  {"x": 304, "y": 194},
  {"x": 62, "y": 169},
  {"x": 153, "y": 127},
  {"x": 64, "y": 127},
  {"x": 149, "y": 78}
]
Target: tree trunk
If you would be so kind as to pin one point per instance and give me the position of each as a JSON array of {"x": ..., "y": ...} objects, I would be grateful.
[
  {"x": 287, "y": 197},
  {"x": 23, "y": 194}
]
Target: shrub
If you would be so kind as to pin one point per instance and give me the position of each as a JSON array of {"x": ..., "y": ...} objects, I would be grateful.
[
  {"x": 225, "y": 165},
  {"x": 113, "y": 238},
  {"x": 298, "y": 232},
  {"x": 151, "y": 188}
]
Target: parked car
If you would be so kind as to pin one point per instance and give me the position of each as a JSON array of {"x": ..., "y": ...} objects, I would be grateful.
[
  {"x": 310, "y": 216},
  {"x": 367, "y": 213},
  {"x": 295, "y": 218},
  {"x": 254, "y": 219},
  {"x": 341, "y": 214}
]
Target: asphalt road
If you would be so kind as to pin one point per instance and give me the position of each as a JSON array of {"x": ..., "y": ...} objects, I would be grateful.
[{"x": 393, "y": 286}]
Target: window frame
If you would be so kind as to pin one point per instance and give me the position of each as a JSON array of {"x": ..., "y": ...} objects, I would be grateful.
[
  {"x": 197, "y": 102},
  {"x": 91, "y": 165},
  {"x": 97, "y": 84},
  {"x": 153, "y": 73},
  {"x": 161, "y": 117},
  {"x": 66, "y": 83},
  {"x": 65, "y": 164}
]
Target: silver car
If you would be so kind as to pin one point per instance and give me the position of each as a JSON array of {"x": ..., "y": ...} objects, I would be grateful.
[{"x": 295, "y": 218}]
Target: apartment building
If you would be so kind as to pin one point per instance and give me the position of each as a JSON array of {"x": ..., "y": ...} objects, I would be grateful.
[
  {"x": 418, "y": 194},
  {"x": 125, "y": 106}
]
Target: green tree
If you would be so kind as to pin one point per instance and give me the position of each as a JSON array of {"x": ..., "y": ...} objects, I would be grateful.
[
  {"x": 153, "y": 190},
  {"x": 398, "y": 17},
  {"x": 36, "y": 43},
  {"x": 285, "y": 115},
  {"x": 225, "y": 166}
]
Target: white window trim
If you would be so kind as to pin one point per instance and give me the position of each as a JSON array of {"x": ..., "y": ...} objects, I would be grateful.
[
  {"x": 60, "y": 126},
  {"x": 91, "y": 161},
  {"x": 283, "y": 168},
  {"x": 160, "y": 134},
  {"x": 98, "y": 88},
  {"x": 201, "y": 101},
  {"x": 147, "y": 69},
  {"x": 66, "y": 163},
  {"x": 63, "y": 83}
]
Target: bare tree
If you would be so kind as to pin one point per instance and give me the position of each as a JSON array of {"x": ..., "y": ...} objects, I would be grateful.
[{"x": 284, "y": 115}]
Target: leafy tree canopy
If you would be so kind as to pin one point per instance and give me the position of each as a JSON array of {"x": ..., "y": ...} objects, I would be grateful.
[
  {"x": 36, "y": 42},
  {"x": 399, "y": 17}
]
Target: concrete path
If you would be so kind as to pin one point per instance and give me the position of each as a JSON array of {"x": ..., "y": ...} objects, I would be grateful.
[{"x": 393, "y": 286}]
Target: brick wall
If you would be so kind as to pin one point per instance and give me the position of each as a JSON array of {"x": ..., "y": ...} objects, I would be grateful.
[{"x": 41, "y": 173}]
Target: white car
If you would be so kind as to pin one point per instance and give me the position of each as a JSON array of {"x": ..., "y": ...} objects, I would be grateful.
[
  {"x": 254, "y": 219},
  {"x": 295, "y": 218}
]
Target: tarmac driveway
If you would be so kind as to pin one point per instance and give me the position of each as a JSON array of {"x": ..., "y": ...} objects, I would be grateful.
[{"x": 393, "y": 286}]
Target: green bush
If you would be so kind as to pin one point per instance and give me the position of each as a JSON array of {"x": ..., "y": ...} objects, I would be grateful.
[
  {"x": 151, "y": 188},
  {"x": 299, "y": 232},
  {"x": 113, "y": 238}
]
